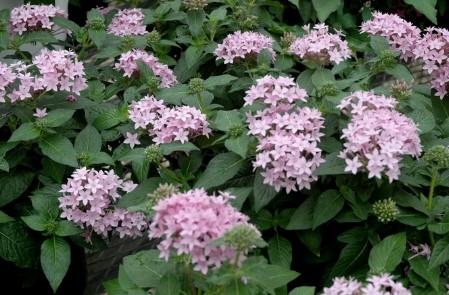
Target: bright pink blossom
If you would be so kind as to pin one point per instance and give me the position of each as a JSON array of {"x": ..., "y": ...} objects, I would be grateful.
[
  {"x": 320, "y": 46},
  {"x": 189, "y": 223},
  {"x": 128, "y": 22},
  {"x": 27, "y": 18},
  {"x": 128, "y": 64},
  {"x": 241, "y": 45},
  {"x": 88, "y": 200}
]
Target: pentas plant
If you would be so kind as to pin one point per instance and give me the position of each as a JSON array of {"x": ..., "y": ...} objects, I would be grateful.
[{"x": 209, "y": 127}]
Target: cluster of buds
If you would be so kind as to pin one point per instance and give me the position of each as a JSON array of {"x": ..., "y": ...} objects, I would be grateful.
[
  {"x": 194, "y": 4},
  {"x": 385, "y": 210},
  {"x": 437, "y": 157}
]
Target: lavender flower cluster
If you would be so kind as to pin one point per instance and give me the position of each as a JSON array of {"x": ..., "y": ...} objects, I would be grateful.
[
  {"x": 88, "y": 200},
  {"x": 167, "y": 124},
  {"x": 27, "y": 18},
  {"x": 128, "y": 22}
]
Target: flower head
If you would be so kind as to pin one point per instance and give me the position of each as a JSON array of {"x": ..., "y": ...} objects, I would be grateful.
[
  {"x": 241, "y": 45},
  {"x": 88, "y": 200},
  {"x": 382, "y": 284},
  {"x": 437, "y": 157},
  {"x": 40, "y": 113},
  {"x": 320, "y": 46},
  {"x": 128, "y": 64},
  {"x": 400, "y": 34},
  {"x": 128, "y": 22},
  {"x": 27, "y": 18},
  {"x": 385, "y": 210},
  {"x": 189, "y": 223}
]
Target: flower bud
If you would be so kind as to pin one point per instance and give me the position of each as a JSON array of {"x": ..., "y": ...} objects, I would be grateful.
[
  {"x": 96, "y": 24},
  {"x": 243, "y": 237},
  {"x": 153, "y": 154},
  {"x": 163, "y": 191},
  {"x": 327, "y": 89},
  {"x": 127, "y": 43},
  {"x": 437, "y": 157},
  {"x": 236, "y": 131},
  {"x": 287, "y": 39},
  {"x": 196, "y": 85},
  {"x": 385, "y": 210},
  {"x": 153, "y": 37},
  {"x": 401, "y": 89},
  {"x": 195, "y": 4},
  {"x": 153, "y": 83}
]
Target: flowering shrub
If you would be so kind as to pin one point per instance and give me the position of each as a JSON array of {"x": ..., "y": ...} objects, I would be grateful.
[{"x": 264, "y": 147}]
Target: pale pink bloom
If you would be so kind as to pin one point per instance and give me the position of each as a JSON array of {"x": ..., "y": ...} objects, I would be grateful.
[
  {"x": 40, "y": 113},
  {"x": 27, "y": 18},
  {"x": 132, "y": 139},
  {"x": 241, "y": 45},
  {"x": 189, "y": 223},
  {"x": 128, "y": 22},
  {"x": 377, "y": 136},
  {"x": 400, "y": 34},
  {"x": 128, "y": 64},
  {"x": 420, "y": 250},
  {"x": 320, "y": 46},
  {"x": 88, "y": 199},
  {"x": 382, "y": 284}
]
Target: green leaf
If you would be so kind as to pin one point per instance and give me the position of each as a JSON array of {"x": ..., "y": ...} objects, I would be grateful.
[
  {"x": 214, "y": 81},
  {"x": 240, "y": 194},
  {"x": 194, "y": 20},
  {"x": 17, "y": 245},
  {"x": 193, "y": 55},
  {"x": 379, "y": 44},
  {"x": 35, "y": 222},
  {"x": 177, "y": 146},
  {"x": 39, "y": 36},
  {"x": 349, "y": 258},
  {"x": 426, "y": 7},
  {"x": 440, "y": 253},
  {"x": 59, "y": 149},
  {"x": 13, "y": 185},
  {"x": 305, "y": 290},
  {"x": 400, "y": 72},
  {"x": 66, "y": 24},
  {"x": 280, "y": 251},
  {"x": 324, "y": 8},
  {"x": 322, "y": 77},
  {"x": 312, "y": 240},
  {"x": 421, "y": 267},
  {"x": 424, "y": 119},
  {"x": 97, "y": 36},
  {"x": 173, "y": 95},
  {"x": 5, "y": 217},
  {"x": 67, "y": 228},
  {"x": 219, "y": 170},
  {"x": 55, "y": 260},
  {"x": 387, "y": 254},
  {"x": 225, "y": 120},
  {"x": 333, "y": 165},
  {"x": 140, "y": 193},
  {"x": 58, "y": 117},
  {"x": 4, "y": 166},
  {"x": 263, "y": 193},
  {"x": 45, "y": 201},
  {"x": 99, "y": 158},
  {"x": 145, "y": 268},
  {"x": 238, "y": 145},
  {"x": 169, "y": 285},
  {"x": 26, "y": 131},
  {"x": 302, "y": 218},
  {"x": 108, "y": 119},
  {"x": 218, "y": 14},
  {"x": 328, "y": 205},
  {"x": 268, "y": 276},
  {"x": 88, "y": 140}
]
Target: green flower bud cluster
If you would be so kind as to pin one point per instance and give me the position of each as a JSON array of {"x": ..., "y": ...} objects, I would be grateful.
[
  {"x": 153, "y": 37},
  {"x": 327, "y": 89},
  {"x": 385, "y": 210},
  {"x": 243, "y": 237},
  {"x": 153, "y": 154},
  {"x": 164, "y": 190},
  {"x": 386, "y": 59},
  {"x": 236, "y": 131},
  {"x": 153, "y": 83},
  {"x": 96, "y": 24},
  {"x": 401, "y": 89},
  {"x": 437, "y": 157},
  {"x": 287, "y": 39},
  {"x": 195, "y": 4},
  {"x": 127, "y": 43},
  {"x": 196, "y": 85}
]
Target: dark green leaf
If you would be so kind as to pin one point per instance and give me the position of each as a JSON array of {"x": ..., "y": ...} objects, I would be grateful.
[
  {"x": 26, "y": 131},
  {"x": 225, "y": 120},
  {"x": 440, "y": 253},
  {"x": 17, "y": 245},
  {"x": 35, "y": 222},
  {"x": 302, "y": 218},
  {"x": 426, "y": 7},
  {"x": 67, "y": 228},
  {"x": 140, "y": 193},
  {"x": 55, "y": 260},
  {"x": 13, "y": 185},
  {"x": 328, "y": 205},
  {"x": 387, "y": 254},
  {"x": 263, "y": 193},
  {"x": 280, "y": 251},
  {"x": 59, "y": 149},
  {"x": 324, "y": 8},
  {"x": 58, "y": 117},
  {"x": 169, "y": 285},
  {"x": 177, "y": 146}
]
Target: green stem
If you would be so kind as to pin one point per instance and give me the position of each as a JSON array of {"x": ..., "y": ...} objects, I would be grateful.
[
  {"x": 201, "y": 103},
  {"x": 430, "y": 199},
  {"x": 190, "y": 278}
]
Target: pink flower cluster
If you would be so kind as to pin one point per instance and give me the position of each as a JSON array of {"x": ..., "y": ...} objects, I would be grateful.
[
  {"x": 128, "y": 63},
  {"x": 361, "y": 101},
  {"x": 320, "y": 46},
  {"x": 33, "y": 18},
  {"x": 274, "y": 92},
  {"x": 382, "y": 284},
  {"x": 189, "y": 222},
  {"x": 128, "y": 22},
  {"x": 401, "y": 35},
  {"x": 377, "y": 136},
  {"x": 433, "y": 49},
  {"x": 288, "y": 136},
  {"x": 88, "y": 200},
  {"x": 56, "y": 70},
  {"x": 168, "y": 124},
  {"x": 241, "y": 45}
]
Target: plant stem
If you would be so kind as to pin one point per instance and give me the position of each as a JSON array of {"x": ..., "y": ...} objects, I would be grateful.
[
  {"x": 430, "y": 199},
  {"x": 190, "y": 278}
]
